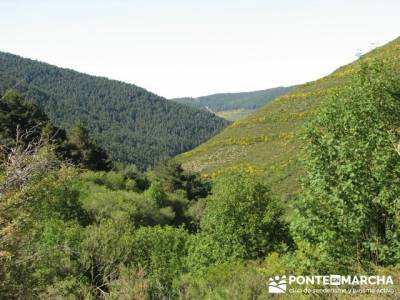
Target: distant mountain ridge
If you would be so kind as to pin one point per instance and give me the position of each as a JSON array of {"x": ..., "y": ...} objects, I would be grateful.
[
  {"x": 223, "y": 102},
  {"x": 131, "y": 123}
]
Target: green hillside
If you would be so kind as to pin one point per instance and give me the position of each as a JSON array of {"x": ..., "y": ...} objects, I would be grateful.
[
  {"x": 233, "y": 106},
  {"x": 132, "y": 124},
  {"x": 235, "y": 114},
  {"x": 268, "y": 142}
]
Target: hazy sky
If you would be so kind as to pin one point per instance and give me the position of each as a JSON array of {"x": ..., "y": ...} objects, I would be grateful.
[{"x": 192, "y": 48}]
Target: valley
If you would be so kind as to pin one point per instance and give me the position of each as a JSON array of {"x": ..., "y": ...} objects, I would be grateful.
[{"x": 111, "y": 191}]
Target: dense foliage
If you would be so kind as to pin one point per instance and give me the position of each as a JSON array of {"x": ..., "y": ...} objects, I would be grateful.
[
  {"x": 70, "y": 233},
  {"x": 349, "y": 207},
  {"x": 130, "y": 123},
  {"x": 241, "y": 221},
  {"x": 73, "y": 233},
  {"x": 67, "y": 232}
]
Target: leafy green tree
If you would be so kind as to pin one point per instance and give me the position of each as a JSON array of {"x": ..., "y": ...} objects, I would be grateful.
[
  {"x": 156, "y": 193},
  {"x": 56, "y": 265},
  {"x": 348, "y": 211},
  {"x": 242, "y": 221},
  {"x": 40, "y": 228}
]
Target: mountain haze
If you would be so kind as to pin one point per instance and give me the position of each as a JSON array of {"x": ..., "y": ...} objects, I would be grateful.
[{"x": 131, "y": 123}]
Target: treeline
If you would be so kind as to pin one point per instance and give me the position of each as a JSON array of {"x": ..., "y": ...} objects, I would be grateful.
[
  {"x": 130, "y": 123},
  {"x": 169, "y": 234}
]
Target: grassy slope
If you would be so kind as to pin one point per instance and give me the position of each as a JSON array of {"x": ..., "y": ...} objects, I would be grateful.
[
  {"x": 236, "y": 114},
  {"x": 268, "y": 142}
]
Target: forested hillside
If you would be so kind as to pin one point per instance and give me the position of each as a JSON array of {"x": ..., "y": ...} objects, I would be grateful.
[
  {"x": 233, "y": 106},
  {"x": 74, "y": 233},
  {"x": 268, "y": 142},
  {"x": 130, "y": 123},
  {"x": 25, "y": 124}
]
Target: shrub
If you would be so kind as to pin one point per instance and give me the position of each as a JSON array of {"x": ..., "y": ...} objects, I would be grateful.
[{"x": 242, "y": 221}]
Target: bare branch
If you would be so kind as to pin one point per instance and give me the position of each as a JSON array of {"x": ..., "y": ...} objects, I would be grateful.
[{"x": 22, "y": 161}]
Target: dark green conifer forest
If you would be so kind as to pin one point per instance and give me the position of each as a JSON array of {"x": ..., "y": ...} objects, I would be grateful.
[{"x": 132, "y": 124}]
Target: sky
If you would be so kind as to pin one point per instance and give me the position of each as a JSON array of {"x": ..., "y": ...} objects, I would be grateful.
[{"x": 179, "y": 48}]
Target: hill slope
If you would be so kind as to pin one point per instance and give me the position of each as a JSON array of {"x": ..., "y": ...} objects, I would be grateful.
[
  {"x": 268, "y": 141},
  {"x": 132, "y": 124},
  {"x": 235, "y": 105}
]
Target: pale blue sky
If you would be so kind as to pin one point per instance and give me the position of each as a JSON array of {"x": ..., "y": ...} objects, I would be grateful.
[{"x": 192, "y": 48}]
